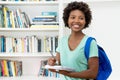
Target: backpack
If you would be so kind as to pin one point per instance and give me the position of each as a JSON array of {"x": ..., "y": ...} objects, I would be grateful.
[{"x": 105, "y": 68}]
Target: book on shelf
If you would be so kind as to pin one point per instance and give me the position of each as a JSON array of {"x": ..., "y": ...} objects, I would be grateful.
[
  {"x": 32, "y": 44},
  {"x": 44, "y": 19},
  {"x": 50, "y": 43},
  {"x": 5, "y": 9},
  {"x": 39, "y": 45},
  {"x": 13, "y": 18},
  {"x": 18, "y": 68},
  {"x": 23, "y": 19},
  {"x": 6, "y": 72},
  {"x": 46, "y": 72},
  {"x": 1, "y": 18},
  {"x": 42, "y": 71},
  {"x": 44, "y": 16},
  {"x": 49, "y": 13},
  {"x": 26, "y": 20},
  {"x": 10, "y": 68},
  {"x": 45, "y": 23},
  {"x": 0, "y": 68},
  {"x": 2, "y": 43}
]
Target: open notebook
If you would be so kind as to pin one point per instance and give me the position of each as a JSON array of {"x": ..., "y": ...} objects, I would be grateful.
[{"x": 58, "y": 67}]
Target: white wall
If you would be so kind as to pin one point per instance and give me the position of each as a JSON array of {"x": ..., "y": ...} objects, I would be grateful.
[{"x": 105, "y": 28}]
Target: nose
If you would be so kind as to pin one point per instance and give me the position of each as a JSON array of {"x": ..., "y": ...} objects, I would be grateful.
[{"x": 77, "y": 20}]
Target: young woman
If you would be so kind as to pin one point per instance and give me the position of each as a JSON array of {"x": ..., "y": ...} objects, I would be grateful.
[{"x": 70, "y": 52}]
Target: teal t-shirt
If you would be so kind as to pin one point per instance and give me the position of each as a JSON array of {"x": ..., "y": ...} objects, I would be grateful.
[{"x": 76, "y": 58}]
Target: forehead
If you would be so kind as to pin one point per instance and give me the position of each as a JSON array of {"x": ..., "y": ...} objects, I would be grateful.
[{"x": 76, "y": 12}]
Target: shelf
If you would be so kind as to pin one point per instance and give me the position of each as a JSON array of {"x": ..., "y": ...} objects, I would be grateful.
[
  {"x": 27, "y": 29},
  {"x": 28, "y": 78},
  {"x": 42, "y": 54},
  {"x": 23, "y": 32},
  {"x": 29, "y": 3}
]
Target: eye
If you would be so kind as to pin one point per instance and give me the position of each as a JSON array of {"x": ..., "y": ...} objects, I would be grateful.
[
  {"x": 72, "y": 17},
  {"x": 81, "y": 18}
]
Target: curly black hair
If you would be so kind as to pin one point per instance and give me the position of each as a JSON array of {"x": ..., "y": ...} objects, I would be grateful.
[{"x": 82, "y": 6}]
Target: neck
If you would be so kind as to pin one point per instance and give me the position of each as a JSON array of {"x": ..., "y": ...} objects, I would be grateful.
[{"x": 77, "y": 35}]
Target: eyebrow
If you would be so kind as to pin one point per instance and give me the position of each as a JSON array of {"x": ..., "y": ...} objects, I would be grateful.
[{"x": 78, "y": 16}]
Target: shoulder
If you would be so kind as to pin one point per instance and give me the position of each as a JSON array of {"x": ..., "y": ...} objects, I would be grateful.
[
  {"x": 93, "y": 42},
  {"x": 93, "y": 39},
  {"x": 86, "y": 37},
  {"x": 93, "y": 48}
]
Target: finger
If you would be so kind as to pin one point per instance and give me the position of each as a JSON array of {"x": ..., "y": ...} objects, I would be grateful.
[{"x": 51, "y": 62}]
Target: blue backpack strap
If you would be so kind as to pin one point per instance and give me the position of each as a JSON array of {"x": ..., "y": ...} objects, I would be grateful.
[
  {"x": 105, "y": 67},
  {"x": 87, "y": 47}
]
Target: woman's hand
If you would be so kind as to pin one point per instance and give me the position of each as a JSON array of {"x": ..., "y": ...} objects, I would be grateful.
[{"x": 51, "y": 61}]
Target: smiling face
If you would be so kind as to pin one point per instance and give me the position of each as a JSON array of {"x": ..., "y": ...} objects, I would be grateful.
[{"x": 76, "y": 20}]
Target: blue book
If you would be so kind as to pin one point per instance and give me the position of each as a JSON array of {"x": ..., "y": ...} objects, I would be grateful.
[
  {"x": 2, "y": 44},
  {"x": 9, "y": 68},
  {"x": 49, "y": 13}
]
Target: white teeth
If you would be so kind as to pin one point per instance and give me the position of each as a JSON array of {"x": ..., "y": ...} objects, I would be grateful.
[{"x": 76, "y": 26}]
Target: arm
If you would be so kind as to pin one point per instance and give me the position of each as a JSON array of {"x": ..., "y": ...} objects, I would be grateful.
[{"x": 90, "y": 73}]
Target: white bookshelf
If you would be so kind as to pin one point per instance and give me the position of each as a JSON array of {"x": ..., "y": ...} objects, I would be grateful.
[
  {"x": 30, "y": 60},
  {"x": 25, "y": 55},
  {"x": 28, "y": 78},
  {"x": 28, "y": 29},
  {"x": 29, "y": 2}
]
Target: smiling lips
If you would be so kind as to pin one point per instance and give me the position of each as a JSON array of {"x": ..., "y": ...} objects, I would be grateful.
[{"x": 76, "y": 26}]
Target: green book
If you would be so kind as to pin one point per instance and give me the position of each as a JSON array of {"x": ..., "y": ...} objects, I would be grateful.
[{"x": 1, "y": 18}]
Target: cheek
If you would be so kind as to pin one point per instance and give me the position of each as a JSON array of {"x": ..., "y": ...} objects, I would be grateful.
[
  {"x": 68, "y": 23},
  {"x": 83, "y": 23}
]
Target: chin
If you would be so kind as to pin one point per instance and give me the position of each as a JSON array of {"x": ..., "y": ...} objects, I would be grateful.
[{"x": 76, "y": 30}]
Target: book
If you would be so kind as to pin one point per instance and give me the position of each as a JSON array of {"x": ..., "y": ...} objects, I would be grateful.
[
  {"x": 12, "y": 67},
  {"x": 39, "y": 45},
  {"x": 49, "y": 13},
  {"x": 19, "y": 19},
  {"x": 27, "y": 22},
  {"x": 42, "y": 70},
  {"x": 0, "y": 68},
  {"x": 1, "y": 18},
  {"x": 12, "y": 19},
  {"x": 9, "y": 68},
  {"x": 59, "y": 67},
  {"x": 18, "y": 68},
  {"x": 6, "y": 72},
  {"x": 46, "y": 18},
  {"x": 5, "y": 9}
]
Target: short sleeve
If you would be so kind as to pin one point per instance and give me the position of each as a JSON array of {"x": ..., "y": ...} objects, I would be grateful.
[{"x": 93, "y": 49}]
